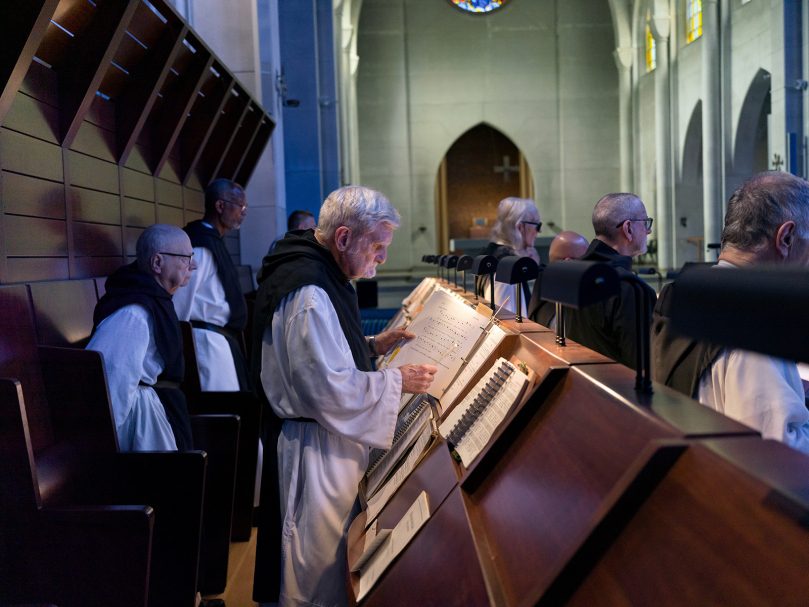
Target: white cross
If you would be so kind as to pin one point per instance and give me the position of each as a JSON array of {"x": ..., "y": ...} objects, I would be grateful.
[{"x": 506, "y": 168}]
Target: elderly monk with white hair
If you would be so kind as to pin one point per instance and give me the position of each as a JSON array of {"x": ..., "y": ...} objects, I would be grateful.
[
  {"x": 137, "y": 333},
  {"x": 315, "y": 369}
]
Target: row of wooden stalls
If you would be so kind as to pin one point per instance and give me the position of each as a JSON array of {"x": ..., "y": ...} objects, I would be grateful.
[{"x": 588, "y": 492}]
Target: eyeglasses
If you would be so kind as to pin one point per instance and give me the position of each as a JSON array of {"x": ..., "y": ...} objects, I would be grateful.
[
  {"x": 537, "y": 224},
  {"x": 188, "y": 258},
  {"x": 242, "y": 205},
  {"x": 647, "y": 222}
]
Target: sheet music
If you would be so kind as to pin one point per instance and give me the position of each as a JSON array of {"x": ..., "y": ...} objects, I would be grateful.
[
  {"x": 420, "y": 293},
  {"x": 374, "y": 538},
  {"x": 492, "y": 339},
  {"x": 446, "y": 331},
  {"x": 382, "y": 497},
  {"x": 401, "y": 535}
]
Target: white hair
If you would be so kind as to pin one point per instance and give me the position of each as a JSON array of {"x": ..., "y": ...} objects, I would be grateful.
[
  {"x": 153, "y": 240},
  {"x": 510, "y": 212},
  {"x": 355, "y": 207}
]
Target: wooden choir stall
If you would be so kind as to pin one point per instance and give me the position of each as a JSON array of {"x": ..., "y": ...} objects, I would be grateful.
[{"x": 570, "y": 487}]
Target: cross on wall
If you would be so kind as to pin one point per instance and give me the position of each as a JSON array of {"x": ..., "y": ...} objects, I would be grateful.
[{"x": 507, "y": 168}]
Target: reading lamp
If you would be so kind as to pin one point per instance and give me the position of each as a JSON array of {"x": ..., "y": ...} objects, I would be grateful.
[
  {"x": 733, "y": 307},
  {"x": 452, "y": 262},
  {"x": 464, "y": 263},
  {"x": 517, "y": 271},
  {"x": 485, "y": 265},
  {"x": 442, "y": 263},
  {"x": 579, "y": 284}
]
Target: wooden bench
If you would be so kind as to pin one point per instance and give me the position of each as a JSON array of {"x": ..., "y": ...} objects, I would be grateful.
[
  {"x": 43, "y": 531},
  {"x": 64, "y": 317},
  {"x": 67, "y": 404}
]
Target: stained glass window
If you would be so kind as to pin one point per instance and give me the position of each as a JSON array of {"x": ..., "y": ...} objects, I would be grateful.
[
  {"x": 693, "y": 20},
  {"x": 478, "y": 6},
  {"x": 651, "y": 55}
]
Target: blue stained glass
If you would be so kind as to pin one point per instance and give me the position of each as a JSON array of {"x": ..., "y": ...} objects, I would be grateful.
[{"x": 478, "y": 6}]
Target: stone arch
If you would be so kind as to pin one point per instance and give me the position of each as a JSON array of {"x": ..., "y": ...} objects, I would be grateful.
[
  {"x": 750, "y": 153},
  {"x": 689, "y": 219},
  {"x": 479, "y": 168}
]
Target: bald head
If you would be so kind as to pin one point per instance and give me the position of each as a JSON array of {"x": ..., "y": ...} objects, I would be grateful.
[{"x": 567, "y": 245}]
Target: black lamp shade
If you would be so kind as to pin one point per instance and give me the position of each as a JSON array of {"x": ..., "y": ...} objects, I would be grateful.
[
  {"x": 761, "y": 309},
  {"x": 514, "y": 269},
  {"x": 442, "y": 261},
  {"x": 579, "y": 283},
  {"x": 465, "y": 262},
  {"x": 484, "y": 264},
  {"x": 452, "y": 261}
]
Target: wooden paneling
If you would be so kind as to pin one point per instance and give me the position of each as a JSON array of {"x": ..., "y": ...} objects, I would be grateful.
[
  {"x": 94, "y": 206},
  {"x": 51, "y": 237},
  {"x": 137, "y": 185},
  {"x": 23, "y": 195},
  {"x": 35, "y": 268},
  {"x": 23, "y": 154},
  {"x": 92, "y": 173},
  {"x": 96, "y": 131},
  {"x": 92, "y": 239},
  {"x": 170, "y": 215},
  {"x": 138, "y": 213},
  {"x": 130, "y": 238},
  {"x": 25, "y": 24},
  {"x": 168, "y": 193},
  {"x": 253, "y": 154},
  {"x": 87, "y": 267},
  {"x": 95, "y": 141},
  {"x": 42, "y": 84},
  {"x": 33, "y": 117}
]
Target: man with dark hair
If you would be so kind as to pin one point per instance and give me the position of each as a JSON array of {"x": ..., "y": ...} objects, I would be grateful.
[
  {"x": 621, "y": 227},
  {"x": 300, "y": 220},
  {"x": 213, "y": 299},
  {"x": 767, "y": 222},
  {"x": 137, "y": 333},
  {"x": 313, "y": 363}
]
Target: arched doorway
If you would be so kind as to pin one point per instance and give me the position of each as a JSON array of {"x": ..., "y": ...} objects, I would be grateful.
[
  {"x": 689, "y": 219},
  {"x": 751, "y": 151},
  {"x": 482, "y": 167}
]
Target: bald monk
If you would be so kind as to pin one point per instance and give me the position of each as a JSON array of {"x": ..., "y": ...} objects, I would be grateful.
[{"x": 565, "y": 245}]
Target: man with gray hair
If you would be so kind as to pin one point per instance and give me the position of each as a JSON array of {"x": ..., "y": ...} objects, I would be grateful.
[
  {"x": 767, "y": 222},
  {"x": 621, "y": 227},
  {"x": 327, "y": 404},
  {"x": 137, "y": 333}
]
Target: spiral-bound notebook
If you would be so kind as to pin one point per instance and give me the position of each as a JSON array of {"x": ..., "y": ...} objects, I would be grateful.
[
  {"x": 470, "y": 425},
  {"x": 414, "y": 417}
]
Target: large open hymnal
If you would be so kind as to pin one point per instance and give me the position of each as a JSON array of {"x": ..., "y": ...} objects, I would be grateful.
[
  {"x": 469, "y": 426},
  {"x": 446, "y": 332}
]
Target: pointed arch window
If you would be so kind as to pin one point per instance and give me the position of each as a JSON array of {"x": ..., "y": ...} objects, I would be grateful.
[
  {"x": 693, "y": 20},
  {"x": 651, "y": 54}
]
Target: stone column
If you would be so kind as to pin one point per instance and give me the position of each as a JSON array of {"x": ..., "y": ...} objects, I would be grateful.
[
  {"x": 624, "y": 58},
  {"x": 661, "y": 25},
  {"x": 712, "y": 166}
]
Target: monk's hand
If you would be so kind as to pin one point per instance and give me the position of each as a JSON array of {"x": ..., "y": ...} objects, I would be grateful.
[
  {"x": 417, "y": 378},
  {"x": 386, "y": 340}
]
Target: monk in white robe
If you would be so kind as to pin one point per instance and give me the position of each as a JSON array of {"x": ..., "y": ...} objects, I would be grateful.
[{"x": 315, "y": 371}]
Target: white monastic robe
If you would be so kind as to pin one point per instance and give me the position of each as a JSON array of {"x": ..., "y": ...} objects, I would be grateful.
[
  {"x": 760, "y": 391},
  {"x": 126, "y": 341},
  {"x": 307, "y": 370},
  {"x": 204, "y": 299}
]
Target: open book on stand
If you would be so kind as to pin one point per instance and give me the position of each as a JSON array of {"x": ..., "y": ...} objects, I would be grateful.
[{"x": 470, "y": 426}]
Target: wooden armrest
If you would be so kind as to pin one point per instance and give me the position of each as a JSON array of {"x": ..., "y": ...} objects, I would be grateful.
[
  {"x": 248, "y": 408},
  {"x": 218, "y": 435},
  {"x": 91, "y": 555}
]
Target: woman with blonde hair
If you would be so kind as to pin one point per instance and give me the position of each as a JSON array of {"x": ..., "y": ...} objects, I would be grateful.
[{"x": 514, "y": 232}]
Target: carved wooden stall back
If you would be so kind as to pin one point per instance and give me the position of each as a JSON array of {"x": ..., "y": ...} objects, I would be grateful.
[{"x": 114, "y": 115}]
